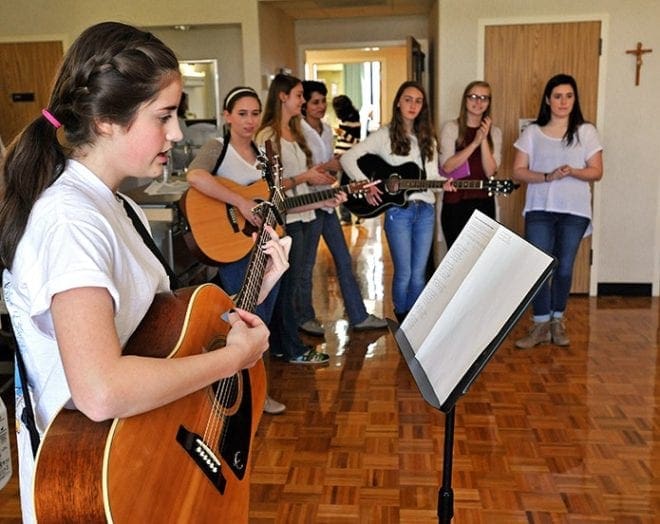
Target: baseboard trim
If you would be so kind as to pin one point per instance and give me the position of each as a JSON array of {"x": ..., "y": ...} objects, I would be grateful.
[{"x": 625, "y": 289}]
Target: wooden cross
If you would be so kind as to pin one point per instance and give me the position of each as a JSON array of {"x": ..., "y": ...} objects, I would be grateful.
[{"x": 638, "y": 52}]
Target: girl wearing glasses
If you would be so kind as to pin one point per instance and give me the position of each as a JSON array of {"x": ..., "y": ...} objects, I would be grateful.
[{"x": 470, "y": 148}]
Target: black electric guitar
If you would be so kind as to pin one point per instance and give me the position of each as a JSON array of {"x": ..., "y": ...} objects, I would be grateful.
[{"x": 397, "y": 181}]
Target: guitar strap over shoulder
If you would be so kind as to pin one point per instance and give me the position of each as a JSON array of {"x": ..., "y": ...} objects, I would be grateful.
[
  {"x": 27, "y": 417},
  {"x": 423, "y": 165},
  {"x": 146, "y": 237},
  {"x": 223, "y": 152}
]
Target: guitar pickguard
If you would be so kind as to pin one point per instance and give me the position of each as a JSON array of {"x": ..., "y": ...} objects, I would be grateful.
[{"x": 234, "y": 443}]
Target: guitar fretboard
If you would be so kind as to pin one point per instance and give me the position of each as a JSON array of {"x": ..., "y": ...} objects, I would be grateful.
[
  {"x": 317, "y": 196},
  {"x": 434, "y": 184}
]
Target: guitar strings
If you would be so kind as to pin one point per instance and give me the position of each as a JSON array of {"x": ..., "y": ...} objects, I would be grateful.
[{"x": 216, "y": 430}]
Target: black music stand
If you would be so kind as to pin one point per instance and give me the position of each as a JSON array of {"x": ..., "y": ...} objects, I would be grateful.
[{"x": 445, "y": 398}]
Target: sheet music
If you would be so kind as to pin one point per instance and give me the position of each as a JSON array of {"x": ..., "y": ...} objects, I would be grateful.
[{"x": 479, "y": 284}]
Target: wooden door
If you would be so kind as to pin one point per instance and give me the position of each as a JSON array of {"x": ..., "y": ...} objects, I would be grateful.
[
  {"x": 415, "y": 60},
  {"x": 518, "y": 61},
  {"x": 28, "y": 69}
]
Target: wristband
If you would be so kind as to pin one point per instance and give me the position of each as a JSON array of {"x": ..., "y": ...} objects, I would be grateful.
[{"x": 545, "y": 177}]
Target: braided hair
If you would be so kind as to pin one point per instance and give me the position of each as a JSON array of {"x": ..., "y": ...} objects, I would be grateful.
[{"x": 106, "y": 75}]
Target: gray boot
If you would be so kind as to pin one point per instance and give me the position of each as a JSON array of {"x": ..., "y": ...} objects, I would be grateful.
[
  {"x": 558, "y": 332},
  {"x": 538, "y": 334}
]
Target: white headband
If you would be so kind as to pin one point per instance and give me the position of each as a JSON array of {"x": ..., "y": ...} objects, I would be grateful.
[{"x": 238, "y": 92}]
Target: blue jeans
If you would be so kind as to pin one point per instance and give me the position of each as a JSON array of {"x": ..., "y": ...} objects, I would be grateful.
[
  {"x": 230, "y": 278},
  {"x": 327, "y": 224},
  {"x": 559, "y": 235},
  {"x": 284, "y": 338},
  {"x": 409, "y": 233}
]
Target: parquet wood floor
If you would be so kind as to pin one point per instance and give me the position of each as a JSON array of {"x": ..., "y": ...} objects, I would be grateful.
[{"x": 546, "y": 435}]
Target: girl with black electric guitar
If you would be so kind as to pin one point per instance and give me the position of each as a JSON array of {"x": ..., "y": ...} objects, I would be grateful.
[
  {"x": 281, "y": 124},
  {"x": 409, "y": 137}
]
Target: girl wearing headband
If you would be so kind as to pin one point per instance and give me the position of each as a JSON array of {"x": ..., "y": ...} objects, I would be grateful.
[{"x": 234, "y": 157}]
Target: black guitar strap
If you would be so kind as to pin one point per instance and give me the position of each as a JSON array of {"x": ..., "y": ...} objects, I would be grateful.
[
  {"x": 27, "y": 417},
  {"x": 223, "y": 152},
  {"x": 146, "y": 237},
  {"x": 423, "y": 166}
]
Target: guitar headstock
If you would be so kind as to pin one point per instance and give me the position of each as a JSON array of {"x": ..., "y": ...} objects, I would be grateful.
[
  {"x": 499, "y": 186},
  {"x": 358, "y": 188},
  {"x": 271, "y": 167}
]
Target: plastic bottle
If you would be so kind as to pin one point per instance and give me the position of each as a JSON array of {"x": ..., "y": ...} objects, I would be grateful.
[{"x": 5, "y": 452}]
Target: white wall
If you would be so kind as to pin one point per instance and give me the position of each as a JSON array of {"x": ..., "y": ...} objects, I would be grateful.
[
  {"x": 38, "y": 18},
  {"x": 220, "y": 42},
  {"x": 627, "y": 241}
]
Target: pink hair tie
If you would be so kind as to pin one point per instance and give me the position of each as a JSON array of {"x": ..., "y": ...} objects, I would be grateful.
[{"x": 48, "y": 116}]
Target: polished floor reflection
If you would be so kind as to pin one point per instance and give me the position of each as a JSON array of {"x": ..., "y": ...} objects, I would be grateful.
[{"x": 546, "y": 435}]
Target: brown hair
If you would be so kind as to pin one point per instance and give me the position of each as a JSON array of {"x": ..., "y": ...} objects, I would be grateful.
[
  {"x": 422, "y": 126},
  {"x": 272, "y": 117},
  {"x": 462, "y": 115}
]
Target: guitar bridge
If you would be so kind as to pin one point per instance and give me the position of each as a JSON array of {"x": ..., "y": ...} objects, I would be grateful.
[{"x": 203, "y": 456}]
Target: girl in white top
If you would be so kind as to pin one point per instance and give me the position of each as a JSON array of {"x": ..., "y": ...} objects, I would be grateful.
[
  {"x": 557, "y": 156},
  {"x": 281, "y": 124},
  {"x": 409, "y": 137},
  {"x": 79, "y": 278},
  {"x": 234, "y": 157},
  {"x": 320, "y": 140}
]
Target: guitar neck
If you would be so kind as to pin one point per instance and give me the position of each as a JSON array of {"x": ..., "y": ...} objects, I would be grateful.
[
  {"x": 314, "y": 197},
  {"x": 435, "y": 184},
  {"x": 249, "y": 294}
]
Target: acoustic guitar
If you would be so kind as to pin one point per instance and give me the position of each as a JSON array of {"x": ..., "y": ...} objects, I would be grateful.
[
  {"x": 220, "y": 233},
  {"x": 188, "y": 461},
  {"x": 397, "y": 181}
]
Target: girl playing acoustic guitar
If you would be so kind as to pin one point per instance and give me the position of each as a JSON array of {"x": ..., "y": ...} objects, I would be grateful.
[{"x": 79, "y": 278}]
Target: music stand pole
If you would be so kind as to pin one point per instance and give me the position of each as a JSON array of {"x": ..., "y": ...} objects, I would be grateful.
[{"x": 445, "y": 493}]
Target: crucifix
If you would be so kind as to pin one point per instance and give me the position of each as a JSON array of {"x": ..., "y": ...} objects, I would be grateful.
[{"x": 638, "y": 52}]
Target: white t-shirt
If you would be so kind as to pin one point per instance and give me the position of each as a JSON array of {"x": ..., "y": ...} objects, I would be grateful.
[
  {"x": 233, "y": 167},
  {"x": 378, "y": 143},
  {"x": 567, "y": 195},
  {"x": 78, "y": 235},
  {"x": 322, "y": 148},
  {"x": 293, "y": 162}
]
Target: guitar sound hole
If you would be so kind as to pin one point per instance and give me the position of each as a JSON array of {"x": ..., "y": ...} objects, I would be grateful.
[
  {"x": 392, "y": 184},
  {"x": 225, "y": 395},
  {"x": 228, "y": 394}
]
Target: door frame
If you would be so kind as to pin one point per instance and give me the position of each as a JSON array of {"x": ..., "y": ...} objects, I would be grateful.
[{"x": 600, "y": 102}]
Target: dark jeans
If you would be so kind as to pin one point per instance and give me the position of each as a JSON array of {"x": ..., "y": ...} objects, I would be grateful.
[
  {"x": 328, "y": 226},
  {"x": 284, "y": 338},
  {"x": 231, "y": 276},
  {"x": 559, "y": 235}
]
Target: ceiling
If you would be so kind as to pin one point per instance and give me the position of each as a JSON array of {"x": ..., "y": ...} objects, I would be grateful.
[{"x": 303, "y": 9}]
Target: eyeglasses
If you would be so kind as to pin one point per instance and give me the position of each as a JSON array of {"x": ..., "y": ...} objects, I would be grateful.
[{"x": 474, "y": 98}]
